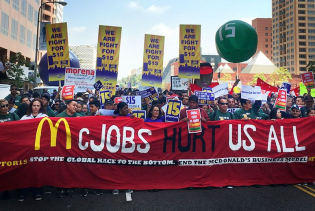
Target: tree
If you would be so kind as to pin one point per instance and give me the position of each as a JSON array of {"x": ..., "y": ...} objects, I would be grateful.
[
  {"x": 226, "y": 77},
  {"x": 15, "y": 72},
  {"x": 255, "y": 77},
  {"x": 279, "y": 76},
  {"x": 311, "y": 66},
  {"x": 134, "y": 79}
]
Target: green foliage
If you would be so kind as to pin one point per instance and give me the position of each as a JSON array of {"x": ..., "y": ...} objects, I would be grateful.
[
  {"x": 134, "y": 79},
  {"x": 15, "y": 72},
  {"x": 278, "y": 76},
  {"x": 255, "y": 77},
  {"x": 311, "y": 66}
]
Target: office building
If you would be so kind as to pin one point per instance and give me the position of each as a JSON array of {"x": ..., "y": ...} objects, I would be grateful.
[
  {"x": 293, "y": 34},
  {"x": 86, "y": 55},
  {"x": 263, "y": 27}
]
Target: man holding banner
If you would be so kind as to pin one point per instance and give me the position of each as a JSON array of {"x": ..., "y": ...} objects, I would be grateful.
[
  {"x": 193, "y": 104},
  {"x": 222, "y": 113}
]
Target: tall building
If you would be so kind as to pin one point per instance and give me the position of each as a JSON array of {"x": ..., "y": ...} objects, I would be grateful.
[
  {"x": 86, "y": 55},
  {"x": 293, "y": 34},
  {"x": 18, "y": 28},
  {"x": 263, "y": 27},
  {"x": 58, "y": 13}
]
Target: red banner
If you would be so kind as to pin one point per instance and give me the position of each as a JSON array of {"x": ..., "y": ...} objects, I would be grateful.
[
  {"x": 126, "y": 153},
  {"x": 265, "y": 86}
]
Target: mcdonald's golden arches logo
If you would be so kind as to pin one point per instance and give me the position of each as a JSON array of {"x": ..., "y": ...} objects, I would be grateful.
[{"x": 53, "y": 132}]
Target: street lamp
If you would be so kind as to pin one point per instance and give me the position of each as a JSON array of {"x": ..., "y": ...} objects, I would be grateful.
[{"x": 37, "y": 34}]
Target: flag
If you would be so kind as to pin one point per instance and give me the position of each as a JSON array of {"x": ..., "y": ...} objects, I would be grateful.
[
  {"x": 266, "y": 86},
  {"x": 296, "y": 91}
]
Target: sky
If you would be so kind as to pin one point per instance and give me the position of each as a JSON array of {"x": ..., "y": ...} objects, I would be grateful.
[{"x": 163, "y": 17}]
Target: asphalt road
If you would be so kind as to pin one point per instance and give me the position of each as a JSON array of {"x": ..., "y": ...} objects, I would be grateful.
[{"x": 288, "y": 197}]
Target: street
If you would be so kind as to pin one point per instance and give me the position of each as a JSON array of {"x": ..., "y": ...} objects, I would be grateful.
[{"x": 290, "y": 197}]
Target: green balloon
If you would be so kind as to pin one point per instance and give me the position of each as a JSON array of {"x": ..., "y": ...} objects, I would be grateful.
[{"x": 236, "y": 41}]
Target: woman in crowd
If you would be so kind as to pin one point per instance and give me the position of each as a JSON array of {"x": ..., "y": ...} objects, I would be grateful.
[
  {"x": 122, "y": 110},
  {"x": 35, "y": 110},
  {"x": 275, "y": 113},
  {"x": 155, "y": 115},
  {"x": 80, "y": 109}
]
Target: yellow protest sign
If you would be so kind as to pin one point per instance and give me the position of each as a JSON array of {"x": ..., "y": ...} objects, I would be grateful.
[{"x": 57, "y": 50}]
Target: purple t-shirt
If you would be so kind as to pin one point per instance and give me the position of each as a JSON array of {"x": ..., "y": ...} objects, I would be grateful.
[{"x": 161, "y": 119}]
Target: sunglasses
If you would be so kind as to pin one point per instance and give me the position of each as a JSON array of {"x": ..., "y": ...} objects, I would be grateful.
[
  {"x": 14, "y": 89},
  {"x": 224, "y": 103},
  {"x": 6, "y": 105}
]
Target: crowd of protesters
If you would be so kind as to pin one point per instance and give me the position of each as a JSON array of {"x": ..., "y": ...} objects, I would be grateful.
[{"x": 30, "y": 105}]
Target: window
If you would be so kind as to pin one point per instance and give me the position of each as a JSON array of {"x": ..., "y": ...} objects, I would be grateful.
[
  {"x": 23, "y": 7},
  {"x": 310, "y": 1},
  {"x": 302, "y": 37},
  {"x": 311, "y": 18},
  {"x": 302, "y": 24},
  {"x": 34, "y": 41},
  {"x": 301, "y": 6},
  {"x": 302, "y": 62},
  {"x": 311, "y": 43},
  {"x": 292, "y": 56},
  {"x": 311, "y": 24},
  {"x": 15, "y": 4},
  {"x": 266, "y": 28},
  {"x": 292, "y": 63},
  {"x": 311, "y": 31},
  {"x": 311, "y": 56},
  {"x": 266, "y": 46},
  {"x": 266, "y": 40},
  {"x": 266, "y": 51},
  {"x": 310, "y": 6},
  {"x": 22, "y": 34},
  {"x": 302, "y": 43},
  {"x": 301, "y": 12},
  {"x": 30, "y": 13},
  {"x": 302, "y": 69},
  {"x": 302, "y": 49},
  {"x": 311, "y": 37},
  {"x": 35, "y": 17},
  {"x": 29, "y": 38},
  {"x": 302, "y": 30},
  {"x": 8, "y": 1},
  {"x": 301, "y": 18},
  {"x": 266, "y": 34},
  {"x": 14, "y": 29},
  {"x": 311, "y": 50},
  {"x": 37, "y": 1},
  {"x": 4, "y": 23},
  {"x": 311, "y": 12}
]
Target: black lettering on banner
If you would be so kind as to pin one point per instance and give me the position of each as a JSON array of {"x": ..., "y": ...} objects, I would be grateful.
[
  {"x": 166, "y": 138},
  {"x": 200, "y": 137},
  {"x": 180, "y": 147},
  {"x": 213, "y": 127}
]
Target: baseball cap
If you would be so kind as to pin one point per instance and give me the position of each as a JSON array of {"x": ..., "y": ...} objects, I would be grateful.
[
  {"x": 109, "y": 102},
  {"x": 295, "y": 106},
  {"x": 193, "y": 98},
  {"x": 205, "y": 68}
]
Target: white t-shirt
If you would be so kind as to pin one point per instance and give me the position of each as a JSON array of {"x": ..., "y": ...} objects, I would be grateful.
[{"x": 40, "y": 115}]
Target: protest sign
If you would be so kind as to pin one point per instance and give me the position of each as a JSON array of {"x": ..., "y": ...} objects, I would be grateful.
[
  {"x": 179, "y": 83},
  {"x": 194, "y": 123},
  {"x": 173, "y": 111},
  {"x": 42, "y": 42},
  {"x": 148, "y": 94},
  {"x": 98, "y": 85},
  {"x": 280, "y": 152},
  {"x": 286, "y": 86},
  {"x": 68, "y": 92},
  {"x": 117, "y": 100},
  {"x": 220, "y": 90},
  {"x": 107, "y": 60},
  {"x": 83, "y": 79},
  {"x": 153, "y": 54},
  {"x": 189, "y": 51},
  {"x": 106, "y": 112},
  {"x": 313, "y": 92},
  {"x": 251, "y": 93},
  {"x": 303, "y": 89},
  {"x": 232, "y": 110},
  {"x": 281, "y": 100},
  {"x": 308, "y": 79},
  {"x": 134, "y": 102},
  {"x": 104, "y": 95},
  {"x": 57, "y": 50},
  {"x": 207, "y": 89},
  {"x": 205, "y": 98},
  {"x": 264, "y": 98},
  {"x": 141, "y": 114}
]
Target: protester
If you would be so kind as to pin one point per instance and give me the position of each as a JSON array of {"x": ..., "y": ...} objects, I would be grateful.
[
  {"x": 45, "y": 100},
  {"x": 94, "y": 107},
  {"x": 309, "y": 104},
  {"x": 311, "y": 112},
  {"x": 55, "y": 106},
  {"x": 4, "y": 66},
  {"x": 11, "y": 108},
  {"x": 84, "y": 108},
  {"x": 14, "y": 95},
  {"x": 155, "y": 115},
  {"x": 21, "y": 111},
  {"x": 80, "y": 109},
  {"x": 289, "y": 103},
  {"x": 245, "y": 110},
  {"x": 35, "y": 110},
  {"x": 71, "y": 110},
  {"x": 109, "y": 104},
  {"x": 295, "y": 111},
  {"x": 193, "y": 104},
  {"x": 122, "y": 110},
  {"x": 206, "y": 109},
  {"x": 299, "y": 100},
  {"x": 231, "y": 102},
  {"x": 221, "y": 113},
  {"x": 185, "y": 101},
  {"x": 25, "y": 99},
  {"x": 275, "y": 113},
  {"x": 257, "y": 112}
]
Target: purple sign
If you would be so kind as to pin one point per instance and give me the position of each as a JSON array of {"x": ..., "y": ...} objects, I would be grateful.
[
  {"x": 173, "y": 111},
  {"x": 149, "y": 94}
]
